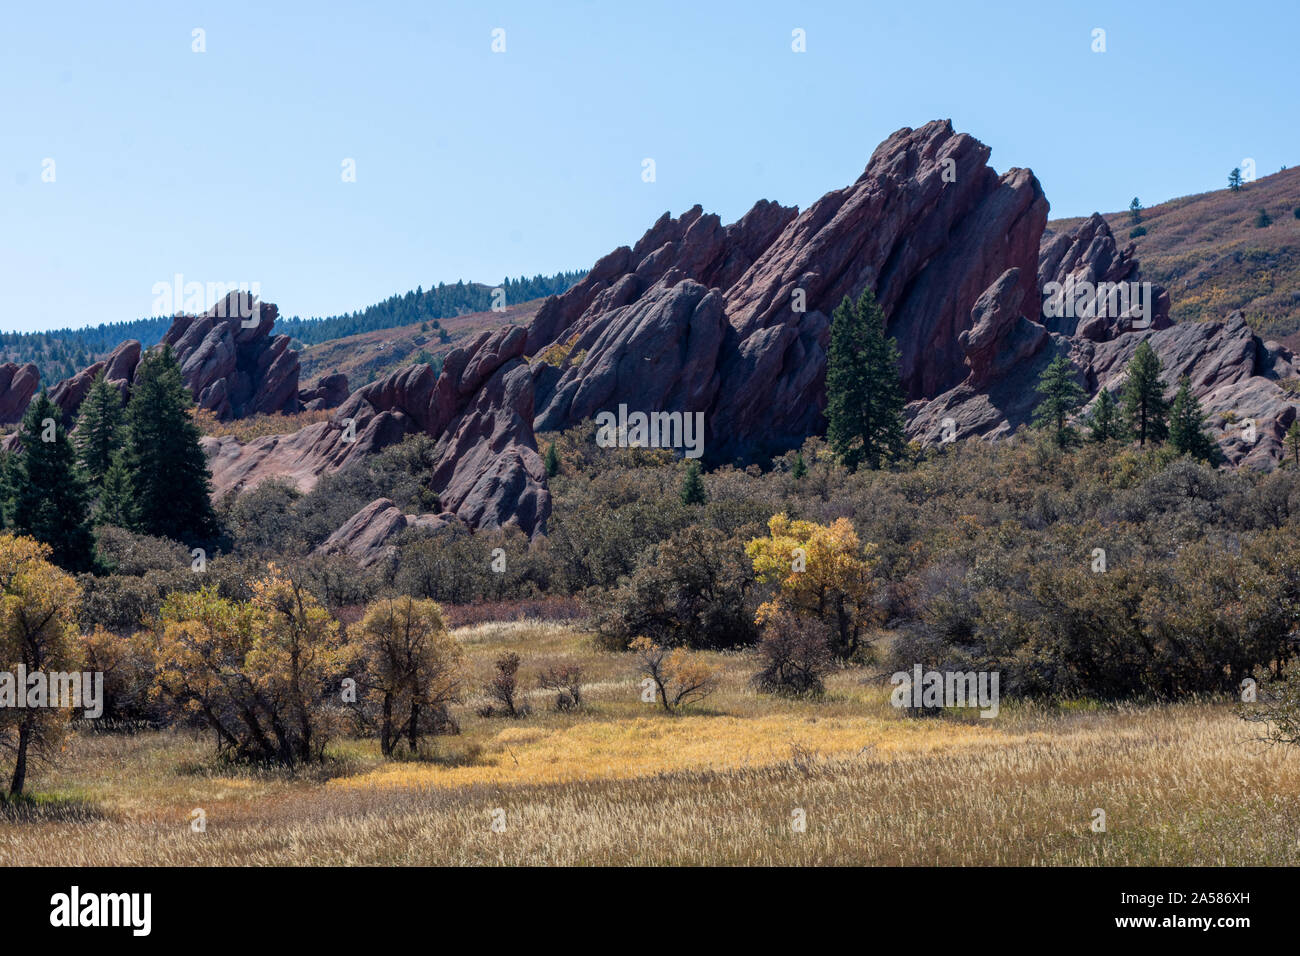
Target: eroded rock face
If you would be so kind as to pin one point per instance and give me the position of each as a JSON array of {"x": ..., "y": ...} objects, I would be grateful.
[
  {"x": 1233, "y": 374},
  {"x": 232, "y": 368},
  {"x": 1231, "y": 371},
  {"x": 231, "y": 362},
  {"x": 1069, "y": 262},
  {"x": 330, "y": 392},
  {"x": 369, "y": 536},
  {"x": 18, "y": 383},
  {"x": 733, "y": 321},
  {"x": 488, "y": 472}
]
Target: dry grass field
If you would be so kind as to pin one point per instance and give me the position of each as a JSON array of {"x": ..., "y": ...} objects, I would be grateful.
[{"x": 623, "y": 783}]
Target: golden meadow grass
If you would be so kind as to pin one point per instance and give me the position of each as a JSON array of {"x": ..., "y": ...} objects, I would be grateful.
[{"x": 625, "y": 784}]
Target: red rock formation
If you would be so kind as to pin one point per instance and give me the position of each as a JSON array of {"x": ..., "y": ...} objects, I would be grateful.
[
  {"x": 18, "y": 383},
  {"x": 733, "y": 321},
  {"x": 231, "y": 362},
  {"x": 369, "y": 535},
  {"x": 330, "y": 392},
  {"x": 480, "y": 409}
]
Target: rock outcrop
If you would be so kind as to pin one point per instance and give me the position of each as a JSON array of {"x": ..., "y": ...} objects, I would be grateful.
[
  {"x": 480, "y": 410},
  {"x": 733, "y": 321},
  {"x": 231, "y": 362},
  {"x": 369, "y": 536},
  {"x": 330, "y": 392},
  {"x": 1233, "y": 373},
  {"x": 18, "y": 383}
]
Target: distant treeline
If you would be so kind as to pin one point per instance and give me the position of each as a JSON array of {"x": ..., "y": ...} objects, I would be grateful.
[
  {"x": 423, "y": 305},
  {"x": 61, "y": 353}
]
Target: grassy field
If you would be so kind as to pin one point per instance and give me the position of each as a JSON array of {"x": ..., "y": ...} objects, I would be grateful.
[{"x": 623, "y": 783}]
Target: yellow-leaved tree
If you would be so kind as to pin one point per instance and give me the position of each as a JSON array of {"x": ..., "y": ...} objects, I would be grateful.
[
  {"x": 819, "y": 571},
  {"x": 38, "y": 633},
  {"x": 265, "y": 675},
  {"x": 414, "y": 670}
]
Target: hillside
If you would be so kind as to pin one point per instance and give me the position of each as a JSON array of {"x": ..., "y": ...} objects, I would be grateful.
[
  {"x": 60, "y": 353},
  {"x": 370, "y": 355},
  {"x": 1208, "y": 251}
]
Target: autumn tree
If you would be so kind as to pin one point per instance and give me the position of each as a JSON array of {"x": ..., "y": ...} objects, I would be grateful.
[
  {"x": 819, "y": 571},
  {"x": 412, "y": 665},
  {"x": 265, "y": 675},
  {"x": 680, "y": 677},
  {"x": 38, "y": 632},
  {"x": 503, "y": 686},
  {"x": 566, "y": 681}
]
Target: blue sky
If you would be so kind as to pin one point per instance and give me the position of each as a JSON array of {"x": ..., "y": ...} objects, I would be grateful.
[{"x": 225, "y": 166}]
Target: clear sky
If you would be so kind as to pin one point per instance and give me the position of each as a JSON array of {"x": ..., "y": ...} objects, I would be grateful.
[{"x": 226, "y": 166}]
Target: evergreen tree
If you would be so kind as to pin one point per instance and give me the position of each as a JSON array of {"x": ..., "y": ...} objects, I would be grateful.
[
  {"x": 100, "y": 430},
  {"x": 1061, "y": 396},
  {"x": 168, "y": 471},
  {"x": 800, "y": 468},
  {"x": 1144, "y": 396},
  {"x": 1186, "y": 427},
  {"x": 1105, "y": 424},
  {"x": 864, "y": 395},
  {"x": 1293, "y": 441},
  {"x": 116, "y": 500},
  {"x": 552, "y": 461},
  {"x": 1263, "y": 219},
  {"x": 1135, "y": 211},
  {"x": 693, "y": 485},
  {"x": 49, "y": 494},
  {"x": 1234, "y": 180}
]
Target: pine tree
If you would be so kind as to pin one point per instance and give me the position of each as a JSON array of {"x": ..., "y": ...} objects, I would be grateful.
[
  {"x": 100, "y": 430},
  {"x": 552, "y": 461},
  {"x": 1105, "y": 424},
  {"x": 50, "y": 502},
  {"x": 1187, "y": 434},
  {"x": 1145, "y": 409},
  {"x": 1293, "y": 441},
  {"x": 864, "y": 395},
  {"x": 1135, "y": 211},
  {"x": 800, "y": 468},
  {"x": 116, "y": 504},
  {"x": 1061, "y": 396},
  {"x": 693, "y": 486},
  {"x": 1234, "y": 180},
  {"x": 168, "y": 471}
]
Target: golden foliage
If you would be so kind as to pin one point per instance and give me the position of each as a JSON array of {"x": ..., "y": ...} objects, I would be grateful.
[{"x": 821, "y": 571}]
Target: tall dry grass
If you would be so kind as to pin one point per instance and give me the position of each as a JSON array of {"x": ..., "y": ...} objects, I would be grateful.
[{"x": 622, "y": 783}]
